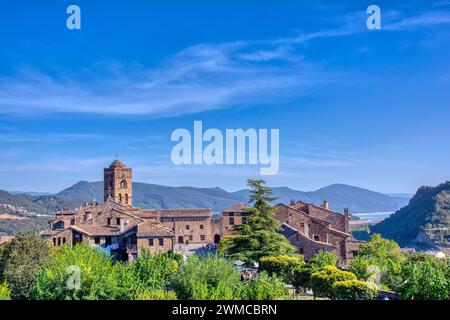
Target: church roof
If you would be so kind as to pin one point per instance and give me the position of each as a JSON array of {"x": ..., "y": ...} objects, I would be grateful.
[{"x": 117, "y": 164}]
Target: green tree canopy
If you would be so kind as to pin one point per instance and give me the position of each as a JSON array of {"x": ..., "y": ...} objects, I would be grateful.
[
  {"x": 259, "y": 236},
  {"x": 79, "y": 273},
  {"x": 425, "y": 278},
  {"x": 20, "y": 260},
  {"x": 381, "y": 259}
]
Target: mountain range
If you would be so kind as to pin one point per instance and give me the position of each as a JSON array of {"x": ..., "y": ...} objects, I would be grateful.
[{"x": 146, "y": 195}]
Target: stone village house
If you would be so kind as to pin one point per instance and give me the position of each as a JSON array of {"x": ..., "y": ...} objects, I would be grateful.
[{"x": 125, "y": 230}]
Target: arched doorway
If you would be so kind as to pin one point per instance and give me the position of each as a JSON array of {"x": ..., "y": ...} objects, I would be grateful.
[
  {"x": 216, "y": 238},
  {"x": 180, "y": 240}
]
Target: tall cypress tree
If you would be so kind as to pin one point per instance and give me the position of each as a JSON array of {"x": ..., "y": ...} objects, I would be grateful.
[{"x": 259, "y": 236}]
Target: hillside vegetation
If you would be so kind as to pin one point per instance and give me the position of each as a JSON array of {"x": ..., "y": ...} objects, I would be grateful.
[{"x": 425, "y": 221}]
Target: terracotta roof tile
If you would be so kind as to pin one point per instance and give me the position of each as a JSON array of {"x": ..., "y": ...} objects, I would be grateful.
[{"x": 238, "y": 207}]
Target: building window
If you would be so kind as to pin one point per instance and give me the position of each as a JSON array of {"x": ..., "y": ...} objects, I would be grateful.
[
  {"x": 231, "y": 214},
  {"x": 191, "y": 238},
  {"x": 244, "y": 220},
  {"x": 161, "y": 241},
  {"x": 109, "y": 221},
  {"x": 126, "y": 198},
  {"x": 120, "y": 198},
  {"x": 64, "y": 240},
  {"x": 108, "y": 241},
  {"x": 300, "y": 250},
  {"x": 118, "y": 221},
  {"x": 187, "y": 227},
  {"x": 316, "y": 238},
  {"x": 201, "y": 227},
  {"x": 231, "y": 220},
  {"x": 72, "y": 222},
  {"x": 54, "y": 242},
  {"x": 59, "y": 242},
  {"x": 123, "y": 184},
  {"x": 97, "y": 240},
  {"x": 150, "y": 242},
  {"x": 202, "y": 237}
]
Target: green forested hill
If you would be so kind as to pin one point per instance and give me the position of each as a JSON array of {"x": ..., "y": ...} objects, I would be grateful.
[
  {"x": 425, "y": 221},
  {"x": 35, "y": 211}
]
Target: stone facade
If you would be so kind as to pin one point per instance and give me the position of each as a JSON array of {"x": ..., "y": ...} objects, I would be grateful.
[
  {"x": 125, "y": 231},
  {"x": 117, "y": 183},
  {"x": 311, "y": 228}
]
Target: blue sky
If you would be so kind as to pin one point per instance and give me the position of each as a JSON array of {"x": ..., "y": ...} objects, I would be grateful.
[{"x": 356, "y": 106}]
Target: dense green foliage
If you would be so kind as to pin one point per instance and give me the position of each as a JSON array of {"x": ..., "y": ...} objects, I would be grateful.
[
  {"x": 353, "y": 290},
  {"x": 428, "y": 213},
  {"x": 425, "y": 278},
  {"x": 150, "y": 273},
  {"x": 209, "y": 278},
  {"x": 259, "y": 236},
  {"x": 20, "y": 260},
  {"x": 302, "y": 274},
  {"x": 322, "y": 281},
  {"x": 379, "y": 261},
  {"x": 5, "y": 293},
  {"x": 264, "y": 287},
  {"x": 281, "y": 266},
  {"x": 324, "y": 258},
  {"x": 78, "y": 273},
  {"x": 157, "y": 295}
]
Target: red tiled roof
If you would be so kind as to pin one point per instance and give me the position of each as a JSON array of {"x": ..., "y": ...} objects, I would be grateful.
[
  {"x": 173, "y": 213},
  {"x": 238, "y": 207}
]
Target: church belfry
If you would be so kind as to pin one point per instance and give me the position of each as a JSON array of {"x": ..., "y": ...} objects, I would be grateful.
[{"x": 117, "y": 183}]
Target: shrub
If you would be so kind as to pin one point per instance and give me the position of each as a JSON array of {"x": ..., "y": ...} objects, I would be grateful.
[
  {"x": 78, "y": 273},
  {"x": 324, "y": 258},
  {"x": 208, "y": 278},
  {"x": 282, "y": 266},
  {"x": 321, "y": 282},
  {"x": 20, "y": 260},
  {"x": 265, "y": 287},
  {"x": 5, "y": 293},
  {"x": 157, "y": 295},
  {"x": 353, "y": 290}
]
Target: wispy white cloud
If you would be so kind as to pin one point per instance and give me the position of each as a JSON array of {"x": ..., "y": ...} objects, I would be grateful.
[
  {"x": 424, "y": 19},
  {"x": 199, "y": 78},
  {"x": 49, "y": 138},
  {"x": 54, "y": 164}
]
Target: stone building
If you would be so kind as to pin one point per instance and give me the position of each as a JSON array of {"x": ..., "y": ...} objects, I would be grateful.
[
  {"x": 123, "y": 230},
  {"x": 117, "y": 183},
  {"x": 311, "y": 228}
]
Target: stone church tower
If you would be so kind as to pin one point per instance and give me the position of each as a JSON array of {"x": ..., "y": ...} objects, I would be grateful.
[{"x": 117, "y": 183}]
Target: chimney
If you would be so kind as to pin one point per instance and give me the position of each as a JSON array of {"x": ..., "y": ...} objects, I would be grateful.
[
  {"x": 346, "y": 221},
  {"x": 325, "y": 205}
]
